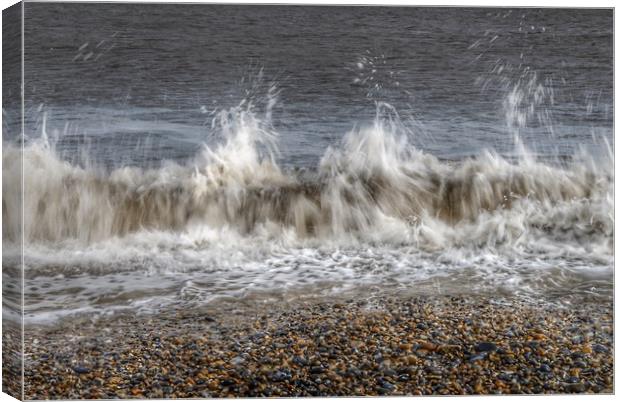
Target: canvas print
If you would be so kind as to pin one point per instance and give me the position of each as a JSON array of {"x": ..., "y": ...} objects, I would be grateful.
[{"x": 209, "y": 201}]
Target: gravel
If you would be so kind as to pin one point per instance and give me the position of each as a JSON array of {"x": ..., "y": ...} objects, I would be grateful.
[{"x": 387, "y": 346}]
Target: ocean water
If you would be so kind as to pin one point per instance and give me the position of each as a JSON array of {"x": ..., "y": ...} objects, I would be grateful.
[{"x": 177, "y": 155}]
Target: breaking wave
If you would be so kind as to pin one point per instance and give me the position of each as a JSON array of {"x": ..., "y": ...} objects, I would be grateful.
[{"x": 375, "y": 187}]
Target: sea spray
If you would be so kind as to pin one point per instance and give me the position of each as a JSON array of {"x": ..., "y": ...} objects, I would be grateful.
[{"x": 373, "y": 187}]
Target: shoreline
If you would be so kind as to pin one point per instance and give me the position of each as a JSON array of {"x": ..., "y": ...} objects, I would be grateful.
[{"x": 384, "y": 346}]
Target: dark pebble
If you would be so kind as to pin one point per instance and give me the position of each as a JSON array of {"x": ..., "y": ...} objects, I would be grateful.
[
  {"x": 81, "y": 370},
  {"x": 281, "y": 375},
  {"x": 353, "y": 372},
  {"x": 403, "y": 377},
  {"x": 581, "y": 364},
  {"x": 544, "y": 368},
  {"x": 386, "y": 385},
  {"x": 598, "y": 348},
  {"x": 317, "y": 370},
  {"x": 388, "y": 372},
  {"x": 505, "y": 376},
  {"x": 486, "y": 347},
  {"x": 577, "y": 355},
  {"x": 300, "y": 361},
  {"x": 576, "y": 388}
]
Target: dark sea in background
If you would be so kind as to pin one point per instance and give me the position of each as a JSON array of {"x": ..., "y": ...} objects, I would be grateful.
[
  {"x": 180, "y": 154},
  {"x": 140, "y": 81}
]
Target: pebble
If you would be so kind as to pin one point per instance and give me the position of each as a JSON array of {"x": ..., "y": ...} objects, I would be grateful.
[
  {"x": 81, "y": 370},
  {"x": 575, "y": 388},
  {"x": 598, "y": 348},
  {"x": 317, "y": 370},
  {"x": 485, "y": 347},
  {"x": 545, "y": 368},
  {"x": 300, "y": 361},
  {"x": 281, "y": 376},
  {"x": 386, "y": 385}
]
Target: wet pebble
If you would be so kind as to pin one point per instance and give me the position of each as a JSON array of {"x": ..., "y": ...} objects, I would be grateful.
[{"x": 485, "y": 347}]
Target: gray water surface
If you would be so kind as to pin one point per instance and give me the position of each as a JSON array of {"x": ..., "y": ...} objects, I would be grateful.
[{"x": 139, "y": 82}]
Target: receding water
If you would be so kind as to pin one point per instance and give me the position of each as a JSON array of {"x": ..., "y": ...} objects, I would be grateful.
[{"x": 181, "y": 154}]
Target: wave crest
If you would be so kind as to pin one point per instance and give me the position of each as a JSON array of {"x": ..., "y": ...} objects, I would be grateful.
[{"x": 374, "y": 187}]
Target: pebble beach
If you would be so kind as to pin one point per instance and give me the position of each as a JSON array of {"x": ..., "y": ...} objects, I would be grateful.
[{"x": 378, "y": 346}]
